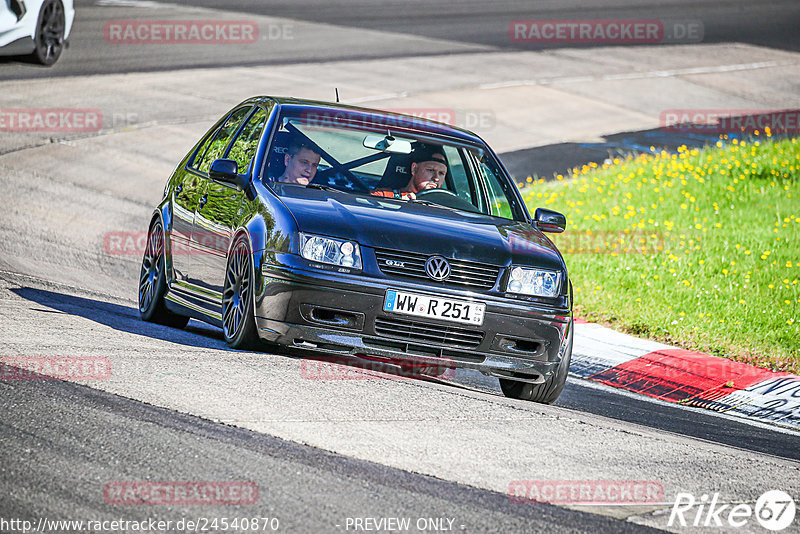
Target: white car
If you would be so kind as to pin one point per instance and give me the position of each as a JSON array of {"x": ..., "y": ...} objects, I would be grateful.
[{"x": 39, "y": 28}]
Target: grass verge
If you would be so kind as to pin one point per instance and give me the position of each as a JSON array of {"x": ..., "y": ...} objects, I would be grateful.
[{"x": 699, "y": 249}]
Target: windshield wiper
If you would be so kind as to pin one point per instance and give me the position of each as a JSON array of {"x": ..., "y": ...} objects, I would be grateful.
[
  {"x": 429, "y": 203},
  {"x": 321, "y": 187},
  {"x": 451, "y": 208}
]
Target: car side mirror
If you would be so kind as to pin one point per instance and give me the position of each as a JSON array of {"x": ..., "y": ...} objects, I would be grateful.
[
  {"x": 549, "y": 221},
  {"x": 226, "y": 171}
]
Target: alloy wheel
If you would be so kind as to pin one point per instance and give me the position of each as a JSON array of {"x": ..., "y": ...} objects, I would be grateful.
[
  {"x": 152, "y": 263},
  {"x": 50, "y": 33},
  {"x": 237, "y": 290}
]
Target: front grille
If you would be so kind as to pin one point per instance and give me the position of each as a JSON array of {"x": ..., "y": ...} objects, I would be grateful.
[
  {"x": 472, "y": 275},
  {"x": 421, "y": 332}
]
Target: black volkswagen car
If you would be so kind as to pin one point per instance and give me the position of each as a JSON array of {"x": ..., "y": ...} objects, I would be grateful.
[{"x": 352, "y": 231}]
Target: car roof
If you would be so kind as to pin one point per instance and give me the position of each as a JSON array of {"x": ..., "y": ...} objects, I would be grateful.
[{"x": 396, "y": 121}]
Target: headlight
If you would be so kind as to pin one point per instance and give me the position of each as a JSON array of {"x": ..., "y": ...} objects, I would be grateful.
[
  {"x": 533, "y": 282},
  {"x": 333, "y": 251}
]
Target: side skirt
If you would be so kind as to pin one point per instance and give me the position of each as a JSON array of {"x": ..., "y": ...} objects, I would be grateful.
[
  {"x": 182, "y": 300},
  {"x": 21, "y": 47}
]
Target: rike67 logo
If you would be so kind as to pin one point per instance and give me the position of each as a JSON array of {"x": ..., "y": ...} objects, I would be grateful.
[{"x": 774, "y": 510}]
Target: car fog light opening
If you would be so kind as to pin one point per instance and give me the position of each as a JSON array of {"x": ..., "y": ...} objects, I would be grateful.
[
  {"x": 331, "y": 251},
  {"x": 536, "y": 282}
]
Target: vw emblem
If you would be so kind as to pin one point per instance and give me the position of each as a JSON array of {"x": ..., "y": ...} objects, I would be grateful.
[{"x": 437, "y": 268}]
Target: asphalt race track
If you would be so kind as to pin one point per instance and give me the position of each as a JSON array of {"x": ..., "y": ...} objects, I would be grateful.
[
  {"x": 440, "y": 28},
  {"x": 324, "y": 453},
  {"x": 90, "y": 437}
]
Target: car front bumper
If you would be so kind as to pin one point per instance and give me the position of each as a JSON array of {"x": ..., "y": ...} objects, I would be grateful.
[{"x": 343, "y": 314}]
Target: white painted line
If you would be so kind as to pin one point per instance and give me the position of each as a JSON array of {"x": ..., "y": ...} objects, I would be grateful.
[
  {"x": 374, "y": 98},
  {"x": 640, "y": 75},
  {"x": 133, "y": 3}
]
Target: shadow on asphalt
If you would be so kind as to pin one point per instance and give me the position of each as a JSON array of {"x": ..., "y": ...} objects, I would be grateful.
[
  {"x": 763, "y": 23},
  {"x": 577, "y": 395},
  {"x": 122, "y": 318},
  {"x": 547, "y": 161},
  {"x": 197, "y": 334}
]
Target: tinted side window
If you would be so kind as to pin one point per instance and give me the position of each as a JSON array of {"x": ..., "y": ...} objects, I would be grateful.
[
  {"x": 216, "y": 148},
  {"x": 501, "y": 202},
  {"x": 461, "y": 182},
  {"x": 244, "y": 147},
  {"x": 198, "y": 157}
]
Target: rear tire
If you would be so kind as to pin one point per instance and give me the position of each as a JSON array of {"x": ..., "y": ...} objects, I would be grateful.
[
  {"x": 547, "y": 392},
  {"x": 153, "y": 282},
  {"x": 238, "y": 319}
]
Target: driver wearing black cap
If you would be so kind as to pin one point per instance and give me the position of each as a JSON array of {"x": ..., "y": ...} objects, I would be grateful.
[{"x": 428, "y": 170}]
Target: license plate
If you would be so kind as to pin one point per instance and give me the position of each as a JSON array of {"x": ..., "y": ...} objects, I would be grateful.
[{"x": 459, "y": 311}]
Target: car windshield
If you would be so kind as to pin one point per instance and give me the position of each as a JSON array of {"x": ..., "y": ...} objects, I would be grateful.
[{"x": 369, "y": 159}]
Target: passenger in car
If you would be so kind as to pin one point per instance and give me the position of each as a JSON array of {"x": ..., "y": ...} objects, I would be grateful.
[
  {"x": 428, "y": 171},
  {"x": 301, "y": 161}
]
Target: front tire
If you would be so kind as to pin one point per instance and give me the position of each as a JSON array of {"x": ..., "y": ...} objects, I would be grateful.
[
  {"x": 49, "y": 37},
  {"x": 545, "y": 393},
  {"x": 238, "y": 319},
  {"x": 153, "y": 282}
]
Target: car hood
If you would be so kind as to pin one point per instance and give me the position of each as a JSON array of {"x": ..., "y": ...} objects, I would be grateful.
[{"x": 415, "y": 227}]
